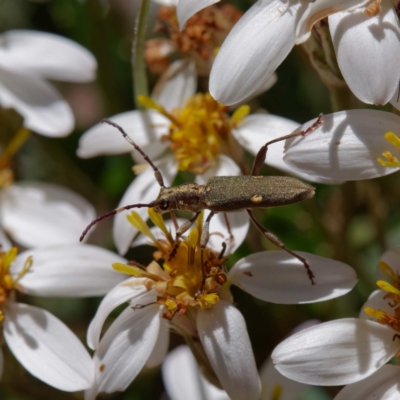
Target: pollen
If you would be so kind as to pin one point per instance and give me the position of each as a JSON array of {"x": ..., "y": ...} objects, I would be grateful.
[
  {"x": 374, "y": 8},
  {"x": 199, "y": 131},
  {"x": 177, "y": 273},
  {"x": 391, "y": 160}
]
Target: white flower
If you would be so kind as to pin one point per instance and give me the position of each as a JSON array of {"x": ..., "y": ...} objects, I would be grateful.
[
  {"x": 348, "y": 145},
  {"x": 27, "y": 59},
  {"x": 267, "y": 32},
  {"x": 42, "y": 214},
  {"x": 200, "y": 310},
  {"x": 349, "y": 350},
  {"x": 42, "y": 343}
]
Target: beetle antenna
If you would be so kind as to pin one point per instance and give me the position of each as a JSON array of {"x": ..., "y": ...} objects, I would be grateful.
[
  {"x": 157, "y": 172},
  {"x": 113, "y": 212}
]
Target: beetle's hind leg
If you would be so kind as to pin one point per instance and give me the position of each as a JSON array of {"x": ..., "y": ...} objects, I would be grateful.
[
  {"x": 275, "y": 240},
  {"x": 262, "y": 153}
]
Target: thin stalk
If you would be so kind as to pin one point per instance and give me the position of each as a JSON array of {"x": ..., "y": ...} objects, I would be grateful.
[{"x": 140, "y": 86}]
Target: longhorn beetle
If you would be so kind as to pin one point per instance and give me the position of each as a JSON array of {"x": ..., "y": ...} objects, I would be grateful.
[{"x": 226, "y": 194}]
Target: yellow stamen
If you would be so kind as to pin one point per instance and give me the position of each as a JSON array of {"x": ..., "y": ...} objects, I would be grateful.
[
  {"x": 136, "y": 220},
  {"x": 379, "y": 315},
  {"x": 9, "y": 257},
  {"x": 277, "y": 392},
  {"x": 159, "y": 222},
  {"x": 171, "y": 304},
  {"x": 388, "y": 271},
  {"x": 240, "y": 113},
  {"x": 128, "y": 269},
  {"x": 17, "y": 141},
  {"x": 387, "y": 287},
  {"x": 1, "y": 316},
  {"x": 25, "y": 269},
  {"x": 392, "y": 161},
  {"x": 193, "y": 238},
  {"x": 207, "y": 300},
  {"x": 148, "y": 102}
]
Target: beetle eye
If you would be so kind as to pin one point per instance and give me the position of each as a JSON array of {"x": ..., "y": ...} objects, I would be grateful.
[{"x": 164, "y": 205}]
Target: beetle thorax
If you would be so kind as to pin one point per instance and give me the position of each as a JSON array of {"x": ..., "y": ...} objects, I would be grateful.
[{"x": 188, "y": 196}]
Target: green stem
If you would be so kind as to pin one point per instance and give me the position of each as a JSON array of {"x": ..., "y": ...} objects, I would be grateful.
[{"x": 140, "y": 86}]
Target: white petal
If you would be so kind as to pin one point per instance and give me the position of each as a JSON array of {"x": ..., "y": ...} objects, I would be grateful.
[
  {"x": 125, "y": 348},
  {"x": 377, "y": 301},
  {"x": 47, "y": 348},
  {"x": 103, "y": 139},
  {"x": 239, "y": 223},
  {"x": 278, "y": 277},
  {"x": 69, "y": 271},
  {"x": 176, "y": 85},
  {"x": 183, "y": 380},
  {"x": 43, "y": 214},
  {"x": 321, "y": 9},
  {"x": 4, "y": 241},
  {"x": 42, "y": 107},
  {"x": 336, "y": 352},
  {"x": 345, "y": 147},
  {"x": 258, "y": 129},
  {"x": 365, "y": 45},
  {"x": 273, "y": 382},
  {"x": 187, "y": 8},
  {"x": 392, "y": 258},
  {"x": 383, "y": 385},
  {"x": 225, "y": 166},
  {"x": 143, "y": 189},
  {"x": 395, "y": 101},
  {"x": 223, "y": 333},
  {"x": 122, "y": 293},
  {"x": 46, "y": 55},
  {"x": 254, "y": 48},
  {"x": 160, "y": 349}
]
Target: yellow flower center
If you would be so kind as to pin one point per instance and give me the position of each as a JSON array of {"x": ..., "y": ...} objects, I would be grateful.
[
  {"x": 6, "y": 174},
  {"x": 391, "y": 160},
  {"x": 178, "y": 281},
  {"x": 9, "y": 283},
  {"x": 393, "y": 294},
  {"x": 200, "y": 131}
]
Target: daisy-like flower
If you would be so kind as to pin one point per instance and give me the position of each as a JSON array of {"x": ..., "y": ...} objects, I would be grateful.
[
  {"x": 36, "y": 213},
  {"x": 364, "y": 34},
  {"x": 348, "y": 145},
  {"x": 27, "y": 59},
  {"x": 40, "y": 341},
  {"x": 349, "y": 350},
  {"x": 189, "y": 293}
]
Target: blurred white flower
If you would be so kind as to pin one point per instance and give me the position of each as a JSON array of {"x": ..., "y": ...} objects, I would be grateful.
[
  {"x": 347, "y": 146},
  {"x": 176, "y": 296},
  {"x": 41, "y": 342},
  {"x": 349, "y": 350},
  {"x": 27, "y": 59},
  {"x": 365, "y": 40}
]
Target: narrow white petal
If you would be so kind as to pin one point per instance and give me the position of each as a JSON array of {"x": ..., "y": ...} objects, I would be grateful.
[
  {"x": 258, "y": 129},
  {"x": 46, "y": 55},
  {"x": 383, "y": 385},
  {"x": 143, "y": 189},
  {"x": 125, "y": 348},
  {"x": 69, "y": 271},
  {"x": 183, "y": 380},
  {"x": 187, "y": 8},
  {"x": 160, "y": 349},
  {"x": 395, "y": 101},
  {"x": 42, "y": 214},
  {"x": 278, "y": 277},
  {"x": 103, "y": 139},
  {"x": 223, "y": 333},
  {"x": 336, "y": 352},
  {"x": 225, "y": 166},
  {"x": 254, "y": 48},
  {"x": 176, "y": 85},
  {"x": 392, "y": 258},
  {"x": 345, "y": 147},
  {"x": 273, "y": 382},
  {"x": 321, "y": 9},
  {"x": 365, "y": 45},
  {"x": 47, "y": 348},
  {"x": 122, "y": 293},
  {"x": 4, "y": 241},
  {"x": 43, "y": 108}
]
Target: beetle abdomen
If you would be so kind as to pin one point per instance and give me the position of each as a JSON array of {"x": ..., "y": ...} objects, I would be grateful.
[{"x": 230, "y": 193}]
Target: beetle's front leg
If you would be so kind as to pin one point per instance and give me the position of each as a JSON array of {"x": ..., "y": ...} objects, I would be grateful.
[
  {"x": 180, "y": 231},
  {"x": 275, "y": 240},
  {"x": 262, "y": 153}
]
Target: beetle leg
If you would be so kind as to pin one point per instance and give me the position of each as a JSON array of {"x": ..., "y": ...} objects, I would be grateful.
[
  {"x": 276, "y": 241},
  {"x": 180, "y": 231},
  {"x": 228, "y": 225},
  {"x": 262, "y": 153}
]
